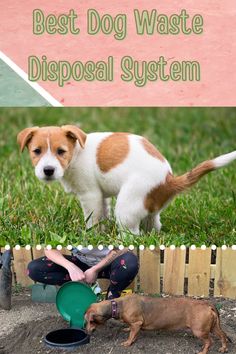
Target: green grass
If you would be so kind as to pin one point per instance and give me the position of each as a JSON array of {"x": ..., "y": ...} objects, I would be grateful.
[{"x": 33, "y": 212}]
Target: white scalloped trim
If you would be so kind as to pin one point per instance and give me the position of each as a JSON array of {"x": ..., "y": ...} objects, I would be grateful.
[{"x": 121, "y": 247}]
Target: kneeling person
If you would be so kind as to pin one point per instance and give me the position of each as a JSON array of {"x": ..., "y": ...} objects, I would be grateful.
[{"x": 85, "y": 265}]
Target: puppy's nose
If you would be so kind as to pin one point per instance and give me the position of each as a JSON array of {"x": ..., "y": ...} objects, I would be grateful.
[{"x": 48, "y": 171}]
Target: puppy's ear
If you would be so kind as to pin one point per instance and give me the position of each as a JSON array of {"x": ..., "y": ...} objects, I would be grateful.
[
  {"x": 24, "y": 137},
  {"x": 75, "y": 133}
]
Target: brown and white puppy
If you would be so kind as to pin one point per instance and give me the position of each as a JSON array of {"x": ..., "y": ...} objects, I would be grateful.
[
  {"x": 148, "y": 313},
  {"x": 98, "y": 166}
]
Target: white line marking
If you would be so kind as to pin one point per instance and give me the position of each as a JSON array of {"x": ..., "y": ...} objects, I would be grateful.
[{"x": 34, "y": 85}]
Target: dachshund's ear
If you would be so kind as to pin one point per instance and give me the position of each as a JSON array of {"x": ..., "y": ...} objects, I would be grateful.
[
  {"x": 76, "y": 133},
  {"x": 24, "y": 137},
  {"x": 89, "y": 316}
]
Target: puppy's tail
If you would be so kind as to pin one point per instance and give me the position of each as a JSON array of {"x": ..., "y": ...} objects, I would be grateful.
[{"x": 181, "y": 183}]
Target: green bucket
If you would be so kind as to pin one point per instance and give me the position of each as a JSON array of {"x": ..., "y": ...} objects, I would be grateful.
[{"x": 72, "y": 300}]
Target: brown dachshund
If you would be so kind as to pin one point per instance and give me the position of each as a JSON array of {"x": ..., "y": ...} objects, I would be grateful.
[{"x": 148, "y": 313}]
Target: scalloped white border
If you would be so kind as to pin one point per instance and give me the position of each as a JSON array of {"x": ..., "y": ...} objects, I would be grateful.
[{"x": 121, "y": 247}]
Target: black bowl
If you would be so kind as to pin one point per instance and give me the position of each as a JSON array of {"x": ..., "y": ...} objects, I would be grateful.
[{"x": 67, "y": 338}]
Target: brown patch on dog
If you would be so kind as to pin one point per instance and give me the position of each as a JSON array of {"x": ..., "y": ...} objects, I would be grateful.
[
  {"x": 76, "y": 133},
  {"x": 60, "y": 140},
  {"x": 152, "y": 150},
  {"x": 160, "y": 195},
  {"x": 25, "y": 136},
  {"x": 112, "y": 151}
]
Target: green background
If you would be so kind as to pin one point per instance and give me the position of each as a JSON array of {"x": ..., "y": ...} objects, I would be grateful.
[{"x": 15, "y": 92}]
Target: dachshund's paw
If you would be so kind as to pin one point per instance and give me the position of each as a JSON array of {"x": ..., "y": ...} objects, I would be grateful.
[
  {"x": 223, "y": 350},
  {"x": 126, "y": 343}
]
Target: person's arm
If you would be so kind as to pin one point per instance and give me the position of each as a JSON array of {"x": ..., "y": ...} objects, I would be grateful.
[
  {"x": 92, "y": 273},
  {"x": 76, "y": 274}
]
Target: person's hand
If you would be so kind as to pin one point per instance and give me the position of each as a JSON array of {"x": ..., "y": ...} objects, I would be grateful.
[
  {"x": 91, "y": 275},
  {"x": 76, "y": 274}
]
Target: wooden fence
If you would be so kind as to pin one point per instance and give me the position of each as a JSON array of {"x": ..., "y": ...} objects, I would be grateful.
[{"x": 176, "y": 272}]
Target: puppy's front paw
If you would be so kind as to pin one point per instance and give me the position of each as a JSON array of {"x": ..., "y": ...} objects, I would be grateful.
[
  {"x": 126, "y": 343},
  {"x": 223, "y": 350}
]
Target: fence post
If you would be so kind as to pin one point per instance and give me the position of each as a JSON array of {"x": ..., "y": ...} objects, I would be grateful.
[
  {"x": 150, "y": 271},
  {"x": 21, "y": 259},
  {"x": 174, "y": 269},
  {"x": 225, "y": 273},
  {"x": 199, "y": 272}
]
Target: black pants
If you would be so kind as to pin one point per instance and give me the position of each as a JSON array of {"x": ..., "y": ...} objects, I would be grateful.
[{"x": 120, "y": 272}]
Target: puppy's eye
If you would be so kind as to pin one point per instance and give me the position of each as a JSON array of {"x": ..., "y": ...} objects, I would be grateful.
[
  {"x": 37, "y": 151},
  {"x": 60, "y": 151}
]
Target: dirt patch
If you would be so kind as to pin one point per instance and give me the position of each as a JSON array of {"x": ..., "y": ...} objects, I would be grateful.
[
  {"x": 24, "y": 327},
  {"x": 23, "y": 311}
]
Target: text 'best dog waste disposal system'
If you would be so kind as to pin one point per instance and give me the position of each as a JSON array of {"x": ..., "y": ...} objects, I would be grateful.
[{"x": 73, "y": 299}]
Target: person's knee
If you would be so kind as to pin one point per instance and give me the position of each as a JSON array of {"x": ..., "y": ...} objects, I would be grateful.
[
  {"x": 33, "y": 271},
  {"x": 132, "y": 264}
]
